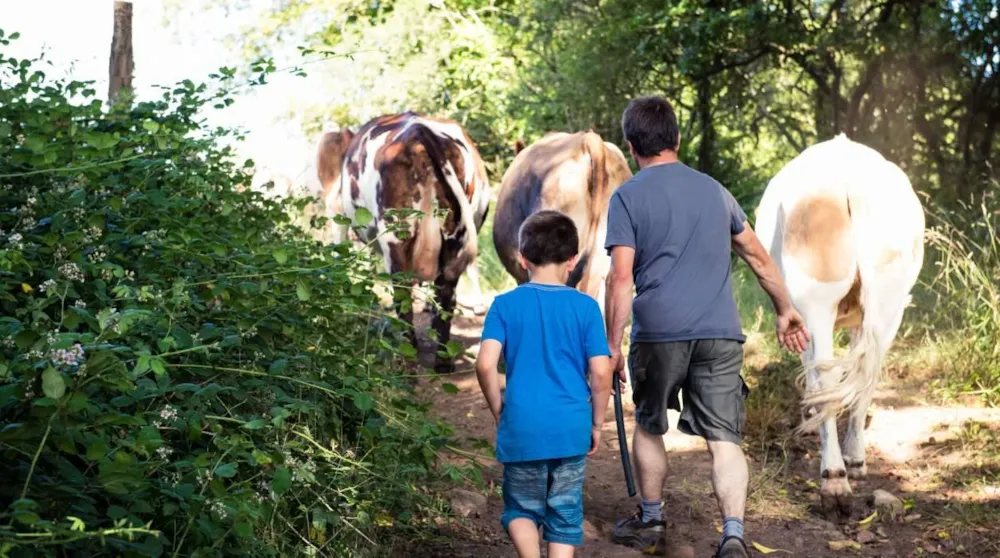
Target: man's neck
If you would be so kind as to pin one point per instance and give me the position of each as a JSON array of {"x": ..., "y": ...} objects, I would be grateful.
[{"x": 663, "y": 158}]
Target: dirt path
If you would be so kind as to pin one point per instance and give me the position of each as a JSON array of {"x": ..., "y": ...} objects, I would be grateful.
[{"x": 915, "y": 452}]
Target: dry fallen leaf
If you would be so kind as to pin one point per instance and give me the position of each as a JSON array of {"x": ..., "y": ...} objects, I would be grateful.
[
  {"x": 765, "y": 550},
  {"x": 841, "y": 545},
  {"x": 869, "y": 519}
]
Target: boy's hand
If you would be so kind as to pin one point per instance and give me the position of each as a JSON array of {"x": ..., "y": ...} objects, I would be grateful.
[
  {"x": 595, "y": 439},
  {"x": 496, "y": 415}
]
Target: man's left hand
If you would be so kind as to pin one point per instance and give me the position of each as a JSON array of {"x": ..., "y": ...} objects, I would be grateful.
[{"x": 792, "y": 332}]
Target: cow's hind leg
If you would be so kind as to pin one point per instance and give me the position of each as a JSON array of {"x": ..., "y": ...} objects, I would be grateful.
[
  {"x": 854, "y": 441},
  {"x": 441, "y": 324},
  {"x": 835, "y": 491}
]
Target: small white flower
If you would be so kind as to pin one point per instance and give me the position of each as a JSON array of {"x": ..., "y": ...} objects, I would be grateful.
[
  {"x": 14, "y": 239},
  {"x": 72, "y": 272},
  {"x": 164, "y": 452},
  {"x": 69, "y": 357},
  {"x": 49, "y": 285},
  {"x": 80, "y": 304},
  {"x": 97, "y": 256},
  {"x": 219, "y": 509}
]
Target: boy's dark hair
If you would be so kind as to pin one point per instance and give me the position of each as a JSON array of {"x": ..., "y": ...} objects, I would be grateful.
[
  {"x": 547, "y": 237},
  {"x": 650, "y": 125}
]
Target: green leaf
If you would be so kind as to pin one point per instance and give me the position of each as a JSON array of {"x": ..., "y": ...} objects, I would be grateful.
[
  {"x": 243, "y": 529},
  {"x": 260, "y": 457},
  {"x": 363, "y": 217},
  {"x": 303, "y": 290},
  {"x": 282, "y": 480},
  {"x": 453, "y": 348},
  {"x": 278, "y": 366},
  {"x": 255, "y": 424},
  {"x": 53, "y": 384},
  {"x": 408, "y": 350},
  {"x": 117, "y": 512},
  {"x": 151, "y": 126},
  {"x": 158, "y": 366},
  {"x": 226, "y": 470},
  {"x": 35, "y": 144},
  {"x": 363, "y": 401},
  {"x": 280, "y": 256},
  {"x": 450, "y": 388}
]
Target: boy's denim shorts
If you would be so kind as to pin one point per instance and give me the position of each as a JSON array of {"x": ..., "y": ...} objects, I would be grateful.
[{"x": 548, "y": 492}]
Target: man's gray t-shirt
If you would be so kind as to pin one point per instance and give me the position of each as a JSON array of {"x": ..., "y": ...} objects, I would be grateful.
[{"x": 680, "y": 222}]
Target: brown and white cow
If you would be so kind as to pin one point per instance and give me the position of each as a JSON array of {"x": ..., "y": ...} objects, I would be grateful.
[
  {"x": 846, "y": 229},
  {"x": 572, "y": 173},
  {"x": 411, "y": 161}
]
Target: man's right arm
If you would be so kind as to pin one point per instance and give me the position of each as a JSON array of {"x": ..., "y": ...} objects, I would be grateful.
[
  {"x": 791, "y": 328},
  {"x": 748, "y": 247}
]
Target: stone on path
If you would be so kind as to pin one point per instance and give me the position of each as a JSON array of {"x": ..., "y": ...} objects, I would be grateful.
[
  {"x": 887, "y": 504},
  {"x": 465, "y": 502}
]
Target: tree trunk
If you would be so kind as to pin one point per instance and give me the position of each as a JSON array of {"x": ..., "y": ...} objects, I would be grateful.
[
  {"x": 706, "y": 145},
  {"x": 121, "y": 63}
]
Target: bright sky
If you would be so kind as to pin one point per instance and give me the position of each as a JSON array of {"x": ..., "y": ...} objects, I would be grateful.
[{"x": 75, "y": 35}]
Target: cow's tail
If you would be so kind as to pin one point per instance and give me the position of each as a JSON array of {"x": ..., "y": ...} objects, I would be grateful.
[
  {"x": 857, "y": 373},
  {"x": 428, "y": 239}
]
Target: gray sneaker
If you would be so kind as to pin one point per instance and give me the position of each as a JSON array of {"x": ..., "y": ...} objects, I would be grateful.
[
  {"x": 633, "y": 531},
  {"x": 732, "y": 547}
]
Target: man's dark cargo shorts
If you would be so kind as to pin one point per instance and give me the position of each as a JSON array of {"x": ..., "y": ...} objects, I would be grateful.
[{"x": 708, "y": 370}]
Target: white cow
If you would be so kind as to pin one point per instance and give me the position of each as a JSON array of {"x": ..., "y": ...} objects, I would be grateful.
[{"x": 846, "y": 229}]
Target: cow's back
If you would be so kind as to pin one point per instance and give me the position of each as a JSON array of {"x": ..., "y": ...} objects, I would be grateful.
[{"x": 571, "y": 173}]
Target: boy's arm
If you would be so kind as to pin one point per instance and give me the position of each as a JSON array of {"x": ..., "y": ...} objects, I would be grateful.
[
  {"x": 600, "y": 389},
  {"x": 489, "y": 376},
  {"x": 601, "y": 374}
]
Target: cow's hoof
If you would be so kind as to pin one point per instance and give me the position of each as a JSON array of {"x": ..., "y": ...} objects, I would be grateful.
[
  {"x": 836, "y": 497},
  {"x": 857, "y": 470}
]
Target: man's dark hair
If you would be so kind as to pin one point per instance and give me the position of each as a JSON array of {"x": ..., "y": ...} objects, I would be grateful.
[
  {"x": 650, "y": 125},
  {"x": 548, "y": 237}
]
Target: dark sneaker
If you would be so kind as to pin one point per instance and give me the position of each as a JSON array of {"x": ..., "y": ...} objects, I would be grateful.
[
  {"x": 733, "y": 547},
  {"x": 635, "y": 532}
]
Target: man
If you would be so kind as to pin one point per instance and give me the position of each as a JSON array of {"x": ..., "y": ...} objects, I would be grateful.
[{"x": 670, "y": 229}]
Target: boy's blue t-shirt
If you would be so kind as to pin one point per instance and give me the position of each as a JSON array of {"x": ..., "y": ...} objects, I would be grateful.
[{"x": 548, "y": 334}]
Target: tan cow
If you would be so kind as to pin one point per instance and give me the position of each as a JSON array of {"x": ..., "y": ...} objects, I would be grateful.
[
  {"x": 411, "y": 161},
  {"x": 572, "y": 173},
  {"x": 846, "y": 229}
]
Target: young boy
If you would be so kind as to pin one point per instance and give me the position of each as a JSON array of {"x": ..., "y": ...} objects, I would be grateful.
[{"x": 549, "y": 420}]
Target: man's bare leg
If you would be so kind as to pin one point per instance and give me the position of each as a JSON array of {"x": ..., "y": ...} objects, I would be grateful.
[
  {"x": 646, "y": 527},
  {"x": 650, "y": 463},
  {"x": 730, "y": 477}
]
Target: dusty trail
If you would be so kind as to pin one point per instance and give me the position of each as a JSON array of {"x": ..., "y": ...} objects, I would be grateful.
[{"x": 910, "y": 447}]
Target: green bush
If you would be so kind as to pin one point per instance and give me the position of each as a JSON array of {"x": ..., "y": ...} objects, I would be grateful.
[{"x": 183, "y": 371}]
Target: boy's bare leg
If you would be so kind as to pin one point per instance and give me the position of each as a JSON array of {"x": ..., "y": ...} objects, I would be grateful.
[
  {"x": 524, "y": 533},
  {"x": 559, "y": 550}
]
